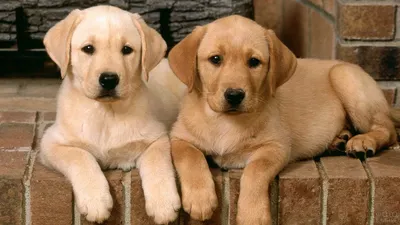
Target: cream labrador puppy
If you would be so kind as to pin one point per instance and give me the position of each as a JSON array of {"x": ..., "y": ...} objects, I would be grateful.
[
  {"x": 253, "y": 105},
  {"x": 108, "y": 116}
]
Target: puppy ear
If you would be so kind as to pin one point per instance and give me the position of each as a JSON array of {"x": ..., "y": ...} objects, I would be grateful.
[
  {"x": 58, "y": 40},
  {"x": 153, "y": 45},
  {"x": 282, "y": 62},
  {"x": 183, "y": 57}
]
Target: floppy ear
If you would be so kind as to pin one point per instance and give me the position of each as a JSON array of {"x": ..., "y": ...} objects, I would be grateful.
[
  {"x": 183, "y": 57},
  {"x": 58, "y": 40},
  {"x": 282, "y": 62},
  {"x": 153, "y": 45}
]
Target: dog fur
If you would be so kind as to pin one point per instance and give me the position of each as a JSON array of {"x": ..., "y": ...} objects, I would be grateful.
[
  {"x": 293, "y": 109},
  {"x": 125, "y": 130}
]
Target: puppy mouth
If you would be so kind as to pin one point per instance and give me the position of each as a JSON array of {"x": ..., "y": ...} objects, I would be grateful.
[
  {"x": 233, "y": 111},
  {"x": 225, "y": 108},
  {"x": 107, "y": 96}
]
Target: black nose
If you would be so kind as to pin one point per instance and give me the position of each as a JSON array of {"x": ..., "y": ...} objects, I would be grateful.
[
  {"x": 109, "y": 80},
  {"x": 234, "y": 96}
]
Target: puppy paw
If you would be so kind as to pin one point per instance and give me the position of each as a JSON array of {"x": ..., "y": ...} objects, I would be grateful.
[
  {"x": 95, "y": 204},
  {"x": 360, "y": 146},
  {"x": 199, "y": 201},
  {"x": 163, "y": 204},
  {"x": 339, "y": 143}
]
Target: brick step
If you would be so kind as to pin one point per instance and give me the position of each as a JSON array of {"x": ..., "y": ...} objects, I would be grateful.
[{"x": 332, "y": 190}]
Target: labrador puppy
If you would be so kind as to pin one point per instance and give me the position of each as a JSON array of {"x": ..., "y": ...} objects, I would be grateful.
[
  {"x": 251, "y": 104},
  {"x": 108, "y": 116}
]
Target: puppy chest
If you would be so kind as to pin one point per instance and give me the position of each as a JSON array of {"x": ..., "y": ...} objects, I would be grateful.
[
  {"x": 109, "y": 133},
  {"x": 215, "y": 139},
  {"x": 127, "y": 153},
  {"x": 221, "y": 144},
  {"x": 116, "y": 141},
  {"x": 229, "y": 152},
  {"x": 232, "y": 150}
]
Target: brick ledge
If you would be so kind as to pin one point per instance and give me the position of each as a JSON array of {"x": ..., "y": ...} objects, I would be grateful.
[{"x": 329, "y": 190}]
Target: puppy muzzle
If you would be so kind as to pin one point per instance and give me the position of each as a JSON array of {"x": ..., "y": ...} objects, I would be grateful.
[
  {"x": 234, "y": 98},
  {"x": 108, "y": 82}
]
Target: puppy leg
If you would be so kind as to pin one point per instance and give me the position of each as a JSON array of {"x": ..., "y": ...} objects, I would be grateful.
[
  {"x": 262, "y": 167},
  {"x": 90, "y": 186},
  {"x": 198, "y": 190},
  {"x": 158, "y": 182},
  {"x": 367, "y": 109},
  {"x": 381, "y": 134}
]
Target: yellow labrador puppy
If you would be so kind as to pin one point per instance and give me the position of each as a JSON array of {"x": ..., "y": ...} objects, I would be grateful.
[
  {"x": 253, "y": 105},
  {"x": 108, "y": 116}
]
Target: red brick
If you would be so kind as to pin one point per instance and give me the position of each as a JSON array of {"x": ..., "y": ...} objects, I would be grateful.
[
  {"x": 49, "y": 116},
  {"x": 329, "y": 6},
  {"x": 216, "y": 217},
  {"x": 381, "y": 62},
  {"x": 300, "y": 194},
  {"x": 397, "y": 33},
  {"x": 51, "y": 197},
  {"x": 295, "y": 29},
  {"x": 318, "y": 3},
  {"x": 366, "y": 22},
  {"x": 234, "y": 190},
  {"x": 114, "y": 178},
  {"x": 16, "y": 136},
  {"x": 348, "y": 190},
  {"x": 268, "y": 13},
  {"x": 322, "y": 37},
  {"x": 11, "y": 189},
  {"x": 8, "y": 89},
  {"x": 138, "y": 205},
  {"x": 385, "y": 169},
  {"x": 28, "y": 104},
  {"x": 47, "y": 88},
  {"x": 17, "y": 117},
  {"x": 274, "y": 200}
]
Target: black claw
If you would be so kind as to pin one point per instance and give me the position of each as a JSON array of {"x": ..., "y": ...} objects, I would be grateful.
[
  {"x": 360, "y": 155},
  {"x": 352, "y": 154},
  {"x": 370, "y": 153},
  {"x": 341, "y": 146},
  {"x": 345, "y": 137}
]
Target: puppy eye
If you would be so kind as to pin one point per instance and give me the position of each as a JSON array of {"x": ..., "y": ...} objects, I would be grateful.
[
  {"x": 126, "y": 50},
  {"x": 253, "y": 62},
  {"x": 88, "y": 49},
  {"x": 215, "y": 59}
]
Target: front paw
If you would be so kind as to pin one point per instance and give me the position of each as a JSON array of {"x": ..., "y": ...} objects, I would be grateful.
[
  {"x": 163, "y": 204},
  {"x": 94, "y": 203},
  {"x": 361, "y": 145},
  {"x": 199, "y": 200},
  {"x": 253, "y": 212}
]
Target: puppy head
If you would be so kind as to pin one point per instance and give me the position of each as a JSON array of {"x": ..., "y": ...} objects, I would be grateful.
[
  {"x": 105, "y": 50},
  {"x": 233, "y": 63}
]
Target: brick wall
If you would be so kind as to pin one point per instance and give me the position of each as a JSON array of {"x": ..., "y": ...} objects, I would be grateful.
[
  {"x": 365, "y": 32},
  {"x": 329, "y": 190},
  {"x": 179, "y": 16},
  {"x": 23, "y": 23}
]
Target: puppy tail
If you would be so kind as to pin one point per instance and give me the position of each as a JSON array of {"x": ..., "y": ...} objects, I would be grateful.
[{"x": 395, "y": 116}]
